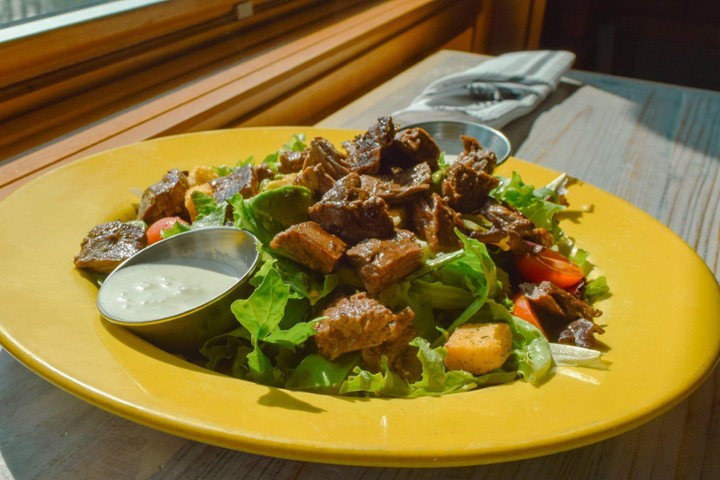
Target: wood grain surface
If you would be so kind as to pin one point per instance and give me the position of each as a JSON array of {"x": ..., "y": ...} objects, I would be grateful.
[{"x": 657, "y": 146}]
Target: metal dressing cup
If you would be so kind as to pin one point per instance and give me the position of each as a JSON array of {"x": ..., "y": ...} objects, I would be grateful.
[{"x": 176, "y": 293}]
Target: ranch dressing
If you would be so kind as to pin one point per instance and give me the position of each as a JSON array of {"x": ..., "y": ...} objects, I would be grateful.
[{"x": 152, "y": 291}]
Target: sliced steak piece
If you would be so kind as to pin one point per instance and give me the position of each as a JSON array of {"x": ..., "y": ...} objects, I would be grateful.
[
  {"x": 358, "y": 322},
  {"x": 243, "y": 181},
  {"x": 581, "y": 332},
  {"x": 469, "y": 179},
  {"x": 311, "y": 245},
  {"x": 365, "y": 152},
  {"x": 165, "y": 198},
  {"x": 400, "y": 186},
  {"x": 315, "y": 178},
  {"x": 324, "y": 165},
  {"x": 292, "y": 161},
  {"x": 559, "y": 310},
  {"x": 349, "y": 212},
  {"x": 435, "y": 222},
  {"x": 380, "y": 263},
  {"x": 558, "y": 302},
  {"x": 263, "y": 172},
  {"x": 413, "y": 146},
  {"x": 109, "y": 244},
  {"x": 510, "y": 228},
  {"x": 321, "y": 151},
  {"x": 402, "y": 358}
]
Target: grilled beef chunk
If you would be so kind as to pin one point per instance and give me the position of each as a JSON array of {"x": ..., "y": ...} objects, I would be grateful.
[
  {"x": 365, "y": 152},
  {"x": 558, "y": 309},
  {"x": 402, "y": 358},
  {"x": 400, "y": 186},
  {"x": 581, "y": 333},
  {"x": 323, "y": 166},
  {"x": 510, "y": 228},
  {"x": 109, "y": 244},
  {"x": 323, "y": 152},
  {"x": 291, "y": 161},
  {"x": 415, "y": 145},
  {"x": 380, "y": 263},
  {"x": 243, "y": 181},
  {"x": 311, "y": 245},
  {"x": 263, "y": 172},
  {"x": 315, "y": 178},
  {"x": 358, "y": 322},
  {"x": 469, "y": 179},
  {"x": 351, "y": 213},
  {"x": 165, "y": 198},
  {"x": 435, "y": 223}
]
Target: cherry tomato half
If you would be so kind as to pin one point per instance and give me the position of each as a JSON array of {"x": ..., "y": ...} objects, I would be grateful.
[
  {"x": 154, "y": 232},
  {"x": 551, "y": 266},
  {"x": 523, "y": 309}
]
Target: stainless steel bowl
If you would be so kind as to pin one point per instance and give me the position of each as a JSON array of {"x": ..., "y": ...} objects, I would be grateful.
[
  {"x": 221, "y": 249},
  {"x": 447, "y": 135}
]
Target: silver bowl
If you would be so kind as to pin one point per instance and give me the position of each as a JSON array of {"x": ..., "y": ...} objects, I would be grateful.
[
  {"x": 447, "y": 135},
  {"x": 168, "y": 320}
]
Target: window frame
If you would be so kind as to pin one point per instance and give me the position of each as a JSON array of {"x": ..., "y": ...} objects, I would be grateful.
[{"x": 151, "y": 26}]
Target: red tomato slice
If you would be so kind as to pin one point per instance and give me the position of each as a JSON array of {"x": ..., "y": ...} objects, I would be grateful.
[
  {"x": 551, "y": 266},
  {"x": 154, "y": 232},
  {"x": 523, "y": 309}
]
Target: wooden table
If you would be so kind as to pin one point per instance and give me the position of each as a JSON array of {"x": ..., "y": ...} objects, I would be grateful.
[{"x": 657, "y": 146}]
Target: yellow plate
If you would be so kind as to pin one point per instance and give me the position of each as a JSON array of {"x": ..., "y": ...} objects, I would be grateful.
[{"x": 662, "y": 325}]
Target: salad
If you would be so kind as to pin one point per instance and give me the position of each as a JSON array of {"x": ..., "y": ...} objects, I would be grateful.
[{"x": 385, "y": 269}]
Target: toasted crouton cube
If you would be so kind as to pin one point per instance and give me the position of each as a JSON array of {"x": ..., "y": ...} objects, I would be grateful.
[
  {"x": 189, "y": 204},
  {"x": 201, "y": 174},
  {"x": 478, "y": 348}
]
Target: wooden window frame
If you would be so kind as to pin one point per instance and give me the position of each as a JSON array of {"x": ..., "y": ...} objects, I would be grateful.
[{"x": 272, "y": 68}]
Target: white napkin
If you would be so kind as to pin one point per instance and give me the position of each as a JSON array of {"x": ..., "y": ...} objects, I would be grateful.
[{"x": 494, "y": 93}]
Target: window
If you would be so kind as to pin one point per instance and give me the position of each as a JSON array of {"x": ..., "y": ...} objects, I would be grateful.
[{"x": 183, "y": 65}]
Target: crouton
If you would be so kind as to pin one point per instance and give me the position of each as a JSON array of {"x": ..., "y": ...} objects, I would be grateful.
[
  {"x": 478, "y": 348},
  {"x": 201, "y": 174},
  {"x": 189, "y": 204}
]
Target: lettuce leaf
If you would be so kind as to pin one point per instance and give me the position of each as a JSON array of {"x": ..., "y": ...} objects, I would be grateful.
[
  {"x": 539, "y": 205},
  {"x": 261, "y": 315},
  {"x": 269, "y": 212}
]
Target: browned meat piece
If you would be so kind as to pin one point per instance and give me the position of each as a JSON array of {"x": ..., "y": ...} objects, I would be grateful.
[
  {"x": 469, "y": 179},
  {"x": 358, "y": 322},
  {"x": 323, "y": 166},
  {"x": 311, "y": 245},
  {"x": 243, "y": 181},
  {"x": 435, "y": 223},
  {"x": 315, "y": 179},
  {"x": 415, "y": 145},
  {"x": 323, "y": 152},
  {"x": 380, "y": 263},
  {"x": 165, "y": 198},
  {"x": 581, "y": 332},
  {"x": 263, "y": 172},
  {"x": 109, "y": 244},
  {"x": 291, "y": 162},
  {"x": 402, "y": 358},
  {"x": 475, "y": 154},
  {"x": 399, "y": 186},
  {"x": 510, "y": 228},
  {"x": 365, "y": 152},
  {"x": 558, "y": 309},
  {"x": 558, "y": 302},
  {"x": 351, "y": 213}
]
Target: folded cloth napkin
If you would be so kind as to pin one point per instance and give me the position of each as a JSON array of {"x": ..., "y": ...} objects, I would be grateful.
[{"x": 494, "y": 93}]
